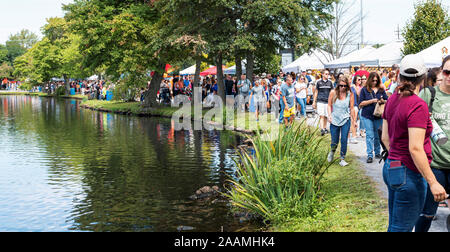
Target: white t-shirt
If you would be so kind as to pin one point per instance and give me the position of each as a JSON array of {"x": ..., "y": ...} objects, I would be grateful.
[{"x": 301, "y": 94}]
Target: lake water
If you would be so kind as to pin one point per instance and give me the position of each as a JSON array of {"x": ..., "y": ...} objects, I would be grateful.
[{"x": 63, "y": 168}]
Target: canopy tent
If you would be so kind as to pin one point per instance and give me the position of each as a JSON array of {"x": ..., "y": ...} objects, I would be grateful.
[
  {"x": 384, "y": 56},
  {"x": 308, "y": 61},
  {"x": 434, "y": 55},
  {"x": 93, "y": 77},
  {"x": 232, "y": 70},
  {"x": 211, "y": 71},
  {"x": 188, "y": 71},
  {"x": 344, "y": 62}
]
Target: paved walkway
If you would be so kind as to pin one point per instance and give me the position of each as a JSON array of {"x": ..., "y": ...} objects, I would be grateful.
[{"x": 375, "y": 172}]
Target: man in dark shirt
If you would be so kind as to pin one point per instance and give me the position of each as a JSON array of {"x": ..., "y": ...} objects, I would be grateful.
[
  {"x": 321, "y": 94},
  {"x": 229, "y": 85}
]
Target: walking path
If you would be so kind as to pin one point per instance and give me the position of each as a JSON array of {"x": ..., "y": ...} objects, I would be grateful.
[{"x": 375, "y": 172}]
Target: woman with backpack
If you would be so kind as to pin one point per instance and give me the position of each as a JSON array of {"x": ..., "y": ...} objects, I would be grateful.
[
  {"x": 406, "y": 134},
  {"x": 438, "y": 100},
  {"x": 341, "y": 110}
]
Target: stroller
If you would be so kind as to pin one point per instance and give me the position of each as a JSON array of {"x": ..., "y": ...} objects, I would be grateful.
[{"x": 164, "y": 96}]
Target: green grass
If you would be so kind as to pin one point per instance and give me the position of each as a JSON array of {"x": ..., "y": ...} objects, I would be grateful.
[
  {"x": 128, "y": 107},
  {"x": 289, "y": 184},
  {"x": 350, "y": 203}
]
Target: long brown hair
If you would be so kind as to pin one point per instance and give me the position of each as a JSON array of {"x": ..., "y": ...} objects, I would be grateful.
[
  {"x": 337, "y": 90},
  {"x": 369, "y": 82}
]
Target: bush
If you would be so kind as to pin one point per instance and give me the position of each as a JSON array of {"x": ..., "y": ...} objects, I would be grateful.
[{"x": 282, "y": 178}]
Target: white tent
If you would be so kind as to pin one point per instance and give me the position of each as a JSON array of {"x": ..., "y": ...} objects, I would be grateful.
[
  {"x": 188, "y": 71},
  {"x": 434, "y": 55},
  {"x": 384, "y": 56},
  {"x": 93, "y": 77},
  {"x": 232, "y": 70},
  {"x": 314, "y": 61},
  {"x": 344, "y": 62}
]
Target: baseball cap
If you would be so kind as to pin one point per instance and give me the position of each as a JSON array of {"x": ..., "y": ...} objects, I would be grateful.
[{"x": 412, "y": 66}]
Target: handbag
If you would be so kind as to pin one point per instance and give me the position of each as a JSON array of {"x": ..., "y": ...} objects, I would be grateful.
[{"x": 379, "y": 110}]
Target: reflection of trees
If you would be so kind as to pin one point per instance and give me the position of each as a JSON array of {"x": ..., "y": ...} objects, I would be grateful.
[{"x": 133, "y": 176}]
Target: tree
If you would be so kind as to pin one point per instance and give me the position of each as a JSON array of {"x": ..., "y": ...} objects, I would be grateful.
[
  {"x": 340, "y": 31},
  {"x": 125, "y": 38},
  {"x": 429, "y": 25},
  {"x": 19, "y": 43},
  {"x": 6, "y": 71}
]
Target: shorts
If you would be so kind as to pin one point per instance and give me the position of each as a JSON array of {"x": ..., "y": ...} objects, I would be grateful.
[
  {"x": 289, "y": 112},
  {"x": 322, "y": 109}
]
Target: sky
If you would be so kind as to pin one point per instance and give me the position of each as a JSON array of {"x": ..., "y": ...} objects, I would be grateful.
[{"x": 380, "y": 23}]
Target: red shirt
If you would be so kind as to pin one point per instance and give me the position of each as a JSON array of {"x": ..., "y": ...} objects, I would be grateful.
[{"x": 401, "y": 114}]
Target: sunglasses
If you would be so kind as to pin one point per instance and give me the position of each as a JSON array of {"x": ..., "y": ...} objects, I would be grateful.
[
  {"x": 342, "y": 86},
  {"x": 446, "y": 72}
]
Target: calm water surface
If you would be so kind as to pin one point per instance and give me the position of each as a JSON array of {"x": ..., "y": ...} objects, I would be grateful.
[{"x": 63, "y": 168}]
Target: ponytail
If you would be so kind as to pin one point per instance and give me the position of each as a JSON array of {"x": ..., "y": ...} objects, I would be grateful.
[{"x": 408, "y": 85}]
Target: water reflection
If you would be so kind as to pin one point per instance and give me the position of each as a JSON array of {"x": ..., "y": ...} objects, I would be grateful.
[{"x": 64, "y": 168}]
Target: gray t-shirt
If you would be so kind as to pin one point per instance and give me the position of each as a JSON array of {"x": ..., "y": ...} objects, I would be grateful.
[
  {"x": 441, "y": 114},
  {"x": 258, "y": 94},
  {"x": 288, "y": 92}
]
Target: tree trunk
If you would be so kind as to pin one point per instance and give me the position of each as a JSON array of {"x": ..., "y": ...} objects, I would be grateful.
[
  {"x": 250, "y": 65},
  {"x": 238, "y": 62},
  {"x": 220, "y": 80},
  {"x": 150, "y": 95},
  {"x": 198, "y": 65},
  {"x": 66, "y": 79}
]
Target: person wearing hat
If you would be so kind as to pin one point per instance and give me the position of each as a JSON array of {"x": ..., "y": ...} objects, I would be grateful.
[
  {"x": 406, "y": 135},
  {"x": 440, "y": 112}
]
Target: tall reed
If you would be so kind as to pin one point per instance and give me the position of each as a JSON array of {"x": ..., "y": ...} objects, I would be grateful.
[{"x": 281, "y": 176}]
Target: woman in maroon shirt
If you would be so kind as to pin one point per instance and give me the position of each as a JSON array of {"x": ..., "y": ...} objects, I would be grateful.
[{"x": 406, "y": 134}]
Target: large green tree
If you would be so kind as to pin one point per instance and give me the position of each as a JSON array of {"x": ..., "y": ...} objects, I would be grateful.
[
  {"x": 19, "y": 43},
  {"x": 56, "y": 55},
  {"x": 431, "y": 24}
]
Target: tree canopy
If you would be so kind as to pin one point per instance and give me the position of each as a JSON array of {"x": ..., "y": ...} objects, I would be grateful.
[
  {"x": 431, "y": 24},
  {"x": 131, "y": 40}
]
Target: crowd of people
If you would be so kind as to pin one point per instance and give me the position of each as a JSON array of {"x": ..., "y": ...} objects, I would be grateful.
[{"x": 392, "y": 109}]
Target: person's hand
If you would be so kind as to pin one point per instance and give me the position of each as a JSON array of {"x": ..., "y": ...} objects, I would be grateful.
[
  {"x": 330, "y": 119},
  {"x": 374, "y": 100},
  {"x": 438, "y": 192},
  {"x": 314, "y": 105}
]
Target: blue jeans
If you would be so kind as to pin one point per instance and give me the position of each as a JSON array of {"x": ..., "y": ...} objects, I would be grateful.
[
  {"x": 340, "y": 132},
  {"x": 302, "y": 102},
  {"x": 372, "y": 137},
  {"x": 431, "y": 206},
  {"x": 281, "y": 111},
  {"x": 406, "y": 196}
]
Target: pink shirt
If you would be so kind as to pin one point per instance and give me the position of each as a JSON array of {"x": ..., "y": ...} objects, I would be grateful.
[{"x": 401, "y": 114}]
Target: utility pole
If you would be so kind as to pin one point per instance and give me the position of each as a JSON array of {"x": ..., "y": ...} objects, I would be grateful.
[
  {"x": 362, "y": 25},
  {"x": 397, "y": 32}
]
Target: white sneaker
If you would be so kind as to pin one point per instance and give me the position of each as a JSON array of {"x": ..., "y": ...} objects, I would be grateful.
[
  {"x": 343, "y": 163},
  {"x": 330, "y": 157},
  {"x": 353, "y": 141}
]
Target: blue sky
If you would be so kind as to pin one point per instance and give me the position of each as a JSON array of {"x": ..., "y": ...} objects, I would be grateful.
[{"x": 382, "y": 16}]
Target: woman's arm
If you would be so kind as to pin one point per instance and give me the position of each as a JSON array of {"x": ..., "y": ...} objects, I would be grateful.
[
  {"x": 385, "y": 135},
  {"x": 416, "y": 142},
  {"x": 330, "y": 105},
  {"x": 352, "y": 108}
]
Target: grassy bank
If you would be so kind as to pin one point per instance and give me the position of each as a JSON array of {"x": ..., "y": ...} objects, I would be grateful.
[
  {"x": 350, "y": 203},
  {"x": 42, "y": 94},
  {"x": 290, "y": 185}
]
